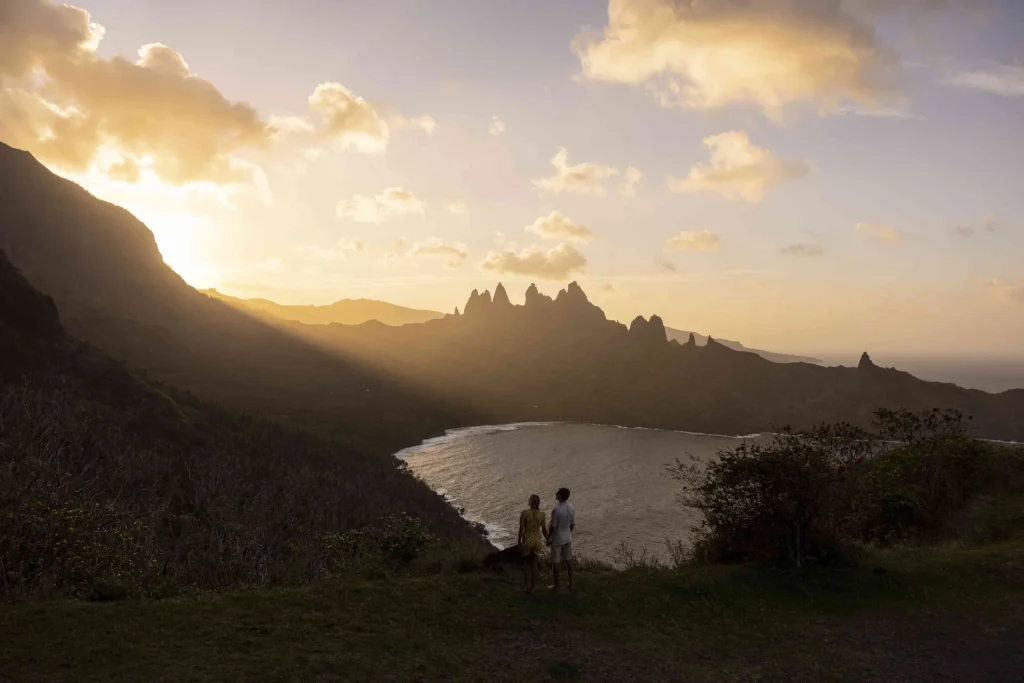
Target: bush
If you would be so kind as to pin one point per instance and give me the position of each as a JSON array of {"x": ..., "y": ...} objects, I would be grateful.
[
  {"x": 931, "y": 471},
  {"x": 817, "y": 494},
  {"x": 787, "y": 500}
]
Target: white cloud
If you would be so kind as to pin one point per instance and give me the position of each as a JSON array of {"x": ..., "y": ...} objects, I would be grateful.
[
  {"x": 879, "y": 232},
  {"x": 694, "y": 240},
  {"x": 285, "y": 127},
  {"x": 1001, "y": 79},
  {"x": 497, "y": 127},
  {"x": 583, "y": 178},
  {"x": 557, "y": 263},
  {"x": 424, "y": 123},
  {"x": 391, "y": 203},
  {"x": 557, "y": 226},
  {"x": 342, "y": 249},
  {"x": 713, "y": 53},
  {"x": 457, "y": 207},
  {"x": 803, "y": 250},
  {"x": 634, "y": 176},
  {"x": 738, "y": 169},
  {"x": 455, "y": 254},
  {"x": 348, "y": 119}
]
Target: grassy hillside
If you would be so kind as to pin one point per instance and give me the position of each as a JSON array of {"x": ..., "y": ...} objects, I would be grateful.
[
  {"x": 954, "y": 614},
  {"x": 110, "y": 481}
]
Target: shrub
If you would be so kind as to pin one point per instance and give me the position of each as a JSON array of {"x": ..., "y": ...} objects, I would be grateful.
[
  {"x": 817, "y": 494},
  {"x": 929, "y": 472},
  {"x": 788, "y": 499}
]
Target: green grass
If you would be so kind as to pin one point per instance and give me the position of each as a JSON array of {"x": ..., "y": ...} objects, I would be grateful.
[{"x": 705, "y": 623}]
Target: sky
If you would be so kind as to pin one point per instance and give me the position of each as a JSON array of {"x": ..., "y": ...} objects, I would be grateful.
[{"x": 810, "y": 176}]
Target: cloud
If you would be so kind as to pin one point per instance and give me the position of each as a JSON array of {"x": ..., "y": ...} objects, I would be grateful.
[
  {"x": 767, "y": 53},
  {"x": 284, "y": 127},
  {"x": 803, "y": 250},
  {"x": 424, "y": 123},
  {"x": 272, "y": 265},
  {"x": 963, "y": 230},
  {"x": 392, "y": 202},
  {"x": 879, "y": 232},
  {"x": 584, "y": 178},
  {"x": 633, "y": 178},
  {"x": 557, "y": 226},
  {"x": 348, "y": 119},
  {"x": 738, "y": 169},
  {"x": 694, "y": 240},
  {"x": 988, "y": 225},
  {"x": 607, "y": 287},
  {"x": 1001, "y": 79},
  {"x": 342, "y": 249},
  {"x": 557, "y": 263},
  {"x": 76, "y": 110},
  {"x": 456, "y": 254},
  {"x": 457, "y": 207},
  {"x": 1010, "y": 291},
  {"x": 497, "y": 126},
  {"x": 667, "y": 265}
]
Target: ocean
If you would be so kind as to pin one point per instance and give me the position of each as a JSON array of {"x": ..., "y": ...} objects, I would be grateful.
[{"x": 617, "y": 478}]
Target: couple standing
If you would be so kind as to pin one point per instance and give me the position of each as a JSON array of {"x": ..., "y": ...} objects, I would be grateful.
[{"x": 535, "y": 529}]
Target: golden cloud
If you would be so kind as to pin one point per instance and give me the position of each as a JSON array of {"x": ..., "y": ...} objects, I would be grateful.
[
  {"x": 738, "y": 169},
  {"x": 557, "y": 263},
  {"x": 879, "y": 232},
  {"x": 153, "y": 114},
  {"x": 457, "y": 207},
  {"x": 557, "y": 226},
  {"x": 497, "y": 126},
  {"x": 426, "y": 124},
  {"x": 769, "y": 53},
  {"x": 634, "y": 176},
  {"x": 584, "y": 178},
  {"x": 456, "y": 254},
  {"x": 349, "y": 119},
  {"x": 392, "y": 202},
  {"x": 694, "y": 240}
]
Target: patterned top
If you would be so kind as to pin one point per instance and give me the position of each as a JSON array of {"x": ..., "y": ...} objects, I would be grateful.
[{"x": 531, "y": 522}]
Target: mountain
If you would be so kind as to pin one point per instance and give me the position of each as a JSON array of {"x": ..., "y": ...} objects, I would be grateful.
[
  {"x": 562, "y": 359},
  {"x": 345, "y": 311},
  {"x": 384, "y": 387},
  {"x": 103, "y": 269},
  {"x": 681, "y": 336}
]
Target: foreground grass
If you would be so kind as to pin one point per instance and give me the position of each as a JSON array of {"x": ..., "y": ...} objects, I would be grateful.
[{"x": 953, "y": 613}]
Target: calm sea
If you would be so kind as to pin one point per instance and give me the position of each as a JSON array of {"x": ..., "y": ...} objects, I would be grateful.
[{"x": 616, "y": 475}]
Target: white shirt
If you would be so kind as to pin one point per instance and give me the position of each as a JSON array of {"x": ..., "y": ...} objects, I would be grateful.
[{"x": 562, "y": 518}]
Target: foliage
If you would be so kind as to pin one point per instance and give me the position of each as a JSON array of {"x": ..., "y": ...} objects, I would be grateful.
[
  {"x": 817, "y": 494},
  {"x": 787, "y": 499}
]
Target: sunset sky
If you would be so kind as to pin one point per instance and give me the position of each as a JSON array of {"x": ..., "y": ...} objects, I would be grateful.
[{"x": 801, "y": 175}]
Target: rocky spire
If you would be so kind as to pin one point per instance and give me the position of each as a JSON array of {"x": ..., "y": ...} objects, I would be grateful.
[
  {"x": 656, "y": 329},
  {"x": 692, "y": 341},
  {"x": 501, "y": 297},
  {"x": 648, "y": 331},
  {"x": 456, "y": 314},
  {"x": 865, "y": 362}
]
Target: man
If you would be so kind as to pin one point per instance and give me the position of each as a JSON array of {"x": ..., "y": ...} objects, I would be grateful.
[{"x": 563, "y": 522}]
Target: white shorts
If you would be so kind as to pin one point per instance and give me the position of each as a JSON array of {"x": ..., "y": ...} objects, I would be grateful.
[{"x": 561, "y": 553}]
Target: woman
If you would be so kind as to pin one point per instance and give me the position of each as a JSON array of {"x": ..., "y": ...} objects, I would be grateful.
[{"x": 533, "y": 533}]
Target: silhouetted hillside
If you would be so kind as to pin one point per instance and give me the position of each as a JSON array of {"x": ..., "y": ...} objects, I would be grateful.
[
  {"x": 682, "y": 336},
  {"x": 109, "y": 477},
  {"x": 106, "y": 275},
  {"x": 561, "y": 359},
  {"x": 344, "y": 312}
]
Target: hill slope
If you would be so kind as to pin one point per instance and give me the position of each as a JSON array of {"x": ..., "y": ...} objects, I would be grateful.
[
  {"x": 105, "y": 272},
  {"x": 344, "y": 312},
  {"x": 106, "y": 476}
]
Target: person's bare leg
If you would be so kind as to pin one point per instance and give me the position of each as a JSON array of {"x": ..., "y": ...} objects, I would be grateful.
[
  {"x": 554, "y": 570},
  {"x": 534, "y": 572},
  {"x": 568, "y": 568}
]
